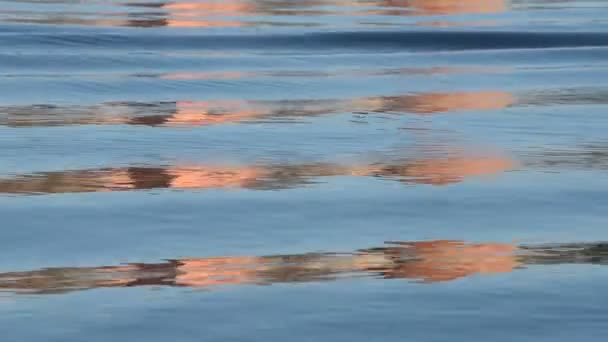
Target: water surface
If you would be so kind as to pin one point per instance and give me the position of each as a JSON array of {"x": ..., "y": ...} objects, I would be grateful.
[{"x": 303, "y": 170}]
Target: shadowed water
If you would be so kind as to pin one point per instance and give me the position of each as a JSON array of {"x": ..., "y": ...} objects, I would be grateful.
[{"x": 152, "y": 149}]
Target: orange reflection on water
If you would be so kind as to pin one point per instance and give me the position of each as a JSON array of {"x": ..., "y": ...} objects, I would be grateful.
[
  {"x": 217, "y": 271},
  {"x": 213, "y": 177},
  {"x": 444, "y": 171},
  {"x": 202, "y": 113},
  {"x": 197, "y": 14},
  {"x": 182, "y": 23},
  {"x": 431, "y": 261},
  {"x": 430, "y": 103},
  {"x": 441, "y": 7},
  {"x": 223, "y": 7},
  {"x": 420, "y": 261},
  {"x": 439, "y": 171},
  {"x": 448, "y": 260},
  {"x": 206, "y": 113},
  {"x": 483, "y": 100},
  {"x": 232, "y": 13}
]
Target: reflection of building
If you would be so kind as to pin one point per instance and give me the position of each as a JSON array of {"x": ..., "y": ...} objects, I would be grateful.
[
  {"x": 424, "y": 171},
  {"x": 427, "y": 261}
]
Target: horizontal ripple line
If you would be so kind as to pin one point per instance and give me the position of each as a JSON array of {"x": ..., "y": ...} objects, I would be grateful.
[
  {"x": 215, "y": 112},
  {"x": 430, "y": 170},
  {"x": 395, "y": 40},
  {"x": 421, "y": 261}
]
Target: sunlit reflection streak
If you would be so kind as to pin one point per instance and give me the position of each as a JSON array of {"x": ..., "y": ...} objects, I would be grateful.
[
  {"x": 443, "y": 7},
  {"x": 433, "y": 171},
  {"x": 202, "y": 113},
  {"x": 207, "y": 113},
  {"x": 334, "y": 7},
  {"x": 429, "y": 103},
  {"x": 418, "y": 261},
  {"x": 235, "y": 13}
]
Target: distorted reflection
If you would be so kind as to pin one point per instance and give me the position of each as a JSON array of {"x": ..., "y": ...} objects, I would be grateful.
[
  {"x": 429, "y": 103},
  {"x": 202, "y": 113},
  {"x": 198, "y": 14},
  {"x": 434, "y": 171},
  {"x": 209, "y": 14},
  {"x": 440, "y": 7},
  {"x": 234, "y": 13},
  {"x": 591, "y": 156},
  {"x": 335, "y": 7},
  {"x": 425, "y": 261},
  {"x": 232, "y": 75}
]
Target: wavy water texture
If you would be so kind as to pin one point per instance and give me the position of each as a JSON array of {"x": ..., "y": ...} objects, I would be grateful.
[
  {"x": 206, "y": 113},
  {"x": 421, "y": 261},
  {"x": 438, "y": 171},
  {"x": 326, "y": 41},
  {"x": 140, "y": 138}
]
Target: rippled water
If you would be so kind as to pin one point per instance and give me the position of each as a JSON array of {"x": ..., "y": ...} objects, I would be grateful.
[{"x": 270, "y": 170}]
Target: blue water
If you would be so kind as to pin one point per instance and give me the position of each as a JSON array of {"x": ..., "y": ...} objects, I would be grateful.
[{"x": 426, "y": 170}]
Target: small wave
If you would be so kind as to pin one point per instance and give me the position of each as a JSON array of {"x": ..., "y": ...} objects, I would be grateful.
[{"x": 358, "y": 41}]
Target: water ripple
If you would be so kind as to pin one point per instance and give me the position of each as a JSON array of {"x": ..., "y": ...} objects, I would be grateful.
[
  {"x": 371, "y": 41},
  {"x": 420, "y": 261}
]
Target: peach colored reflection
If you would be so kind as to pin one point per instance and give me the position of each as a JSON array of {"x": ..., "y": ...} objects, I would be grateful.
[
  {"x": 429, "y": 261},
  {"x": 217, "y": 271},
  {"x": 436, "y": 171},
  {"x": 201, "y": 23},
  {"x": 441, "y": 7},
  {"x": 430, "y": 103},
  {"x": 208, "y": 113},
  {"x": 449, "y": 260},
  {"x": 439, "y": 171},
  {"x": 202, "y": 113},
  {"x": 209, "y": 7},
  {"x": 213, "y": 177},
  {"x": 198, "y": 14},
  {"x": 485, "y": 100}
]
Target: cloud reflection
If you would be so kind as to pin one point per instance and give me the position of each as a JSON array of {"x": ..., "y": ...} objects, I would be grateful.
[{"x": 418, "y": 261}]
